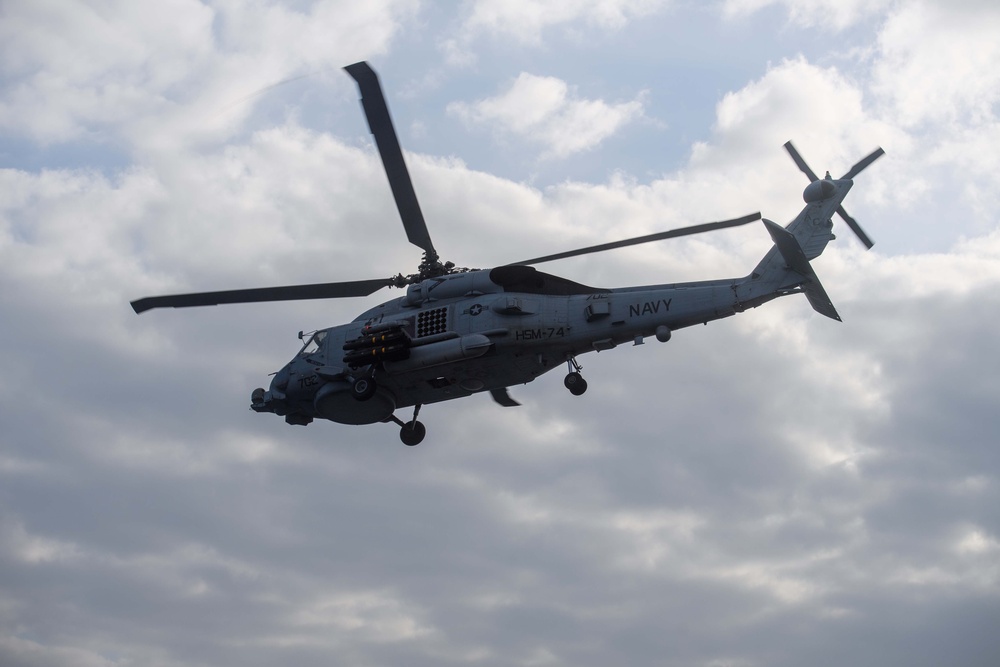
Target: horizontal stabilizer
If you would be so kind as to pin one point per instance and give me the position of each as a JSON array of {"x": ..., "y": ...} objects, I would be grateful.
[
  {"x": 796, "y": 260},
  {"x": 503, "y": 398}
]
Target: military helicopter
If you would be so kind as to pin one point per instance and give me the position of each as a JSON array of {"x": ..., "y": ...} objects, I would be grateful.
[{"x": 458, "y": 331}]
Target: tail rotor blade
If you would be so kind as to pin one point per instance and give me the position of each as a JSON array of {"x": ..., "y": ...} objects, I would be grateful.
[
  {"x": 855, "y": 227},
  {"x": 380, "y": 124},
  {"x": 659, "y": 236},
  {"x": 803, "y": 167},
  {"x": 863, "y": 164}
]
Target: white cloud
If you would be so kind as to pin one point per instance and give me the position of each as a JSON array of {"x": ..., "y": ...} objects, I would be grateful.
[
  {"x": 546, "y": 110},
  {"x": 934, "y": 77},
  {"x": 16, "y": 542},
  {"x": 376, "y": 615},
  {"x": 927, "y": 92},
  {"x": 977, "y": 543},
  {"x": 938, "y": 63},
  {"x": 525, "y": 20},
  {"x": 25, "y": 652},
  {"x": 835, "y": 14},
  {"x": 76, "y": 69},
  {"x": 819, "y": 109},
  {"x": 162, "y": 78}
]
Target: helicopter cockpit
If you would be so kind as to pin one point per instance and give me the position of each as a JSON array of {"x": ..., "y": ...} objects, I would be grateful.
[{"x": 314, "y": 343}]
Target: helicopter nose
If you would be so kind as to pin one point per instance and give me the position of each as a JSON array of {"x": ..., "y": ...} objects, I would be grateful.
[
  {"x": 274, "y": 399},
  {"x": 279, "y": 383},
  {"x": 262, "y": 401}
]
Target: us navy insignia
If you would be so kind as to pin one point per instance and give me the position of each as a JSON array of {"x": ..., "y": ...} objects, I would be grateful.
[{"x": 649, "y": 307}]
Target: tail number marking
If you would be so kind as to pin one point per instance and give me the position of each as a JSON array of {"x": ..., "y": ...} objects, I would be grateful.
[{"x": 540, "y": 334}]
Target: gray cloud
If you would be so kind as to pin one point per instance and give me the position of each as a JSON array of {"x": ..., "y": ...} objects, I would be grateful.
[{"x": 772, "y": 489}]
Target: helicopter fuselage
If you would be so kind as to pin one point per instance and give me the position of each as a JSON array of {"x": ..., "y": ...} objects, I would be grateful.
[{"x": 478, "y": 331}]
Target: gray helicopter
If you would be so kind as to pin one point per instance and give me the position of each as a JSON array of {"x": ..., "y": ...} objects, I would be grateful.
[{"x": 458, "y": 332}]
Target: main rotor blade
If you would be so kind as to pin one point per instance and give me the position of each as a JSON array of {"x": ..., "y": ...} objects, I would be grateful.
[
  {"x": 863, "y": 164},
  {"x": 673, "y": 233},
  {"x": 853, "y": 224},
  {"x": 380, "y": 124},
  {"x": 800, "y": 162},
  {"x": 288, "y": 293}
]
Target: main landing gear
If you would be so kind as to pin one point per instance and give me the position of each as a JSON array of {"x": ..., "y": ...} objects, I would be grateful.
[
  {"x": 574, "y": 381},
  {"x": 411, "y": 433}
]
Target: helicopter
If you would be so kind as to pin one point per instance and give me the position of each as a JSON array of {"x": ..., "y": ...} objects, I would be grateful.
[{"x": 458, "y": 331}]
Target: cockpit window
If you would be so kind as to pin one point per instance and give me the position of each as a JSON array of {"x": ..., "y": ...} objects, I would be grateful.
[{"x": 314, "y": 344}]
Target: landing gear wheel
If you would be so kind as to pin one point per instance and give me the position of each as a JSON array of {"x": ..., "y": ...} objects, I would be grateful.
[
  {"x": 363, "y": 388},
  {"x": 575, "y": 383},
  {"x": 412, "y": 433}
]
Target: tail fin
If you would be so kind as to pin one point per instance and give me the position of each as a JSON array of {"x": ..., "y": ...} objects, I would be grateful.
[{"x": 795, "y": 259}]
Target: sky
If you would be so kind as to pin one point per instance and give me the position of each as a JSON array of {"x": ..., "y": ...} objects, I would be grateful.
[{"x": 772, "y": 489}]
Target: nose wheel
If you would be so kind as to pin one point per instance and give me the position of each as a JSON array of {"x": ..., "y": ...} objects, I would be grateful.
[{"x": 574, "y": 381}]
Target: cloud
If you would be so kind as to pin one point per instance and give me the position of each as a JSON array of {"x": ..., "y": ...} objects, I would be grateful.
[
  {"x": 164, "y": 79},
  {"x": 937, "y": 63},
  {"x": 764, "y": 490},
  {"x": 526, "y": 22},
  {"x": 77, "y": 70},
  {"x": 931, "y": 78},
  {"x": 834, "y": 14},
  {"x": 823, "y": 112},
  {"x": 545, "y": 110}
]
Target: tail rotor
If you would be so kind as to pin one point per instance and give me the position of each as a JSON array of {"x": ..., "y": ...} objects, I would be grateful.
[{"x": 851, "y": 173}]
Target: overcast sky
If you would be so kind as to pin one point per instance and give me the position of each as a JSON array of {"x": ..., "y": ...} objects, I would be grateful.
[{"x": 773, "y": 489}]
